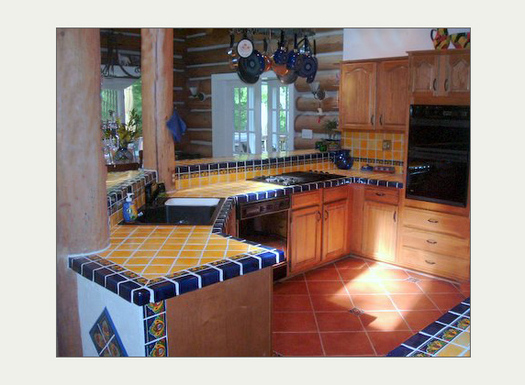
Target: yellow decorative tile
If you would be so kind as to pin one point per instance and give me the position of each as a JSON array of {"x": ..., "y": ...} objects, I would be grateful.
[
  {"x": 157, "y": 269},
  {"x": 190, "y": 254},
  {"x": 463, "y": 339},
  {"x": 450, "y": 350}
]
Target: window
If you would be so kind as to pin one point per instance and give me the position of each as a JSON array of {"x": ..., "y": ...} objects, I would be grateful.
[
  {"x": 251, "y": 119},
  {"x": 119, "y": 97}
]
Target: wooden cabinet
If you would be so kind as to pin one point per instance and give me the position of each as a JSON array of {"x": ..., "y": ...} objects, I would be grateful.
[
  {"x": 439, "y": 77},
  {"x": 380, "y": 216},
  {"x": 373, "y": 222},
  {"x": 373, "y": 95},
  {"x": 357, "y": 96},
  {"x": 305, "y": 238},
  {"x": 435, "y": 241},
  {"x": 318, "y": 227}
]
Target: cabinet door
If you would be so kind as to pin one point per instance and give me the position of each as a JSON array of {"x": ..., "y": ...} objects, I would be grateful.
[
  {"x": 457, "y": 82},
  {"x": 392, "y": 89},
  {"x": 379, "y": 231},
  {"x": 305, "y": 238},
  {"x": 334, "y": 229},
  {"x": 423, "y": 75},
  {"x": 357, "y": 95}
]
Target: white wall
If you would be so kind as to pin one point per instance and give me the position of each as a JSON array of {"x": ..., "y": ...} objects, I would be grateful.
[
  {"x": 370, "y": 43},
  {"x": 127, "y": 317}
]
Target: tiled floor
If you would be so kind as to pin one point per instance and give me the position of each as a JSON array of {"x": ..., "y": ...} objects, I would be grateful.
[{"x": 356, "y": 307}]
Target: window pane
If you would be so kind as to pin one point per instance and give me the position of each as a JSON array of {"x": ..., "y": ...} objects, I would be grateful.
[
  {"x": 282, "y": 121},
  {"x": 283, "y": 97}
]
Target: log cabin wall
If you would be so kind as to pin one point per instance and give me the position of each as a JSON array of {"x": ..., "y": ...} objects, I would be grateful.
[{"x": 200, "y": 52}]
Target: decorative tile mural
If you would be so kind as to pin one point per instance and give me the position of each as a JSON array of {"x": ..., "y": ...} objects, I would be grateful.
[
  {"x": 155, "y": 336},
  {"x": 105, "y": 337}
]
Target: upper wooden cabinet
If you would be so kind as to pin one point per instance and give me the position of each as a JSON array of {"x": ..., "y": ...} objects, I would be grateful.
[
  {"x": 373, "y": 95},
  {"x": 440, "y": 77}
]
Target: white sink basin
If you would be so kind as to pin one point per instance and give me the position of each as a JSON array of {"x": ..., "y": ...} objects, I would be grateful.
[{"x": 207, "y": 202}]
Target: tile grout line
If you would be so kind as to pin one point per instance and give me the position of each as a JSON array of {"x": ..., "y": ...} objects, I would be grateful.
[
  {"x": 159, "y": 249},
  {"x": 353, "y": 305},
  {"x": 315, "y": 317}
]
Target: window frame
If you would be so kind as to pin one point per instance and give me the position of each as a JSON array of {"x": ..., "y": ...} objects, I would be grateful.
[{"x": 222, "y": 134}]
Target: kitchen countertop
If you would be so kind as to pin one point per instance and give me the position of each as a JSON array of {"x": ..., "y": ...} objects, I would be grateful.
[{"x": 151, "y": 263}]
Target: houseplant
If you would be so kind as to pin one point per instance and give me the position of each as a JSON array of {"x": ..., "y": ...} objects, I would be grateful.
[
  {"x": 126, "y": 134},
  {"x": 330, "y": 127}
]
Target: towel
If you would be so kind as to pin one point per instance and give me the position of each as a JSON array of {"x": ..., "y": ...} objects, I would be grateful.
[{"x": 176, "y": 126}]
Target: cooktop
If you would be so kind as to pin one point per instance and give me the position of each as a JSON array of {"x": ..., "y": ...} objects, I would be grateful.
[{"x": 295, "y": 178}]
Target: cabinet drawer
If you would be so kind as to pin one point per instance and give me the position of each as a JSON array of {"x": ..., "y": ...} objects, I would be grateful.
[
  {"x": 434, "y": 221},
  {"x": 436, "y": 242},
  {"x": 383, "y": 195},
  {"x": 306, "y": 199},
  {"x": 335, "y": 193},
  {"x": 434, "y": 263}
]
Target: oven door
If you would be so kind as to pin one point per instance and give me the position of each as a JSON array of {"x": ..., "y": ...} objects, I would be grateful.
[{"x": 438, "y": 177}]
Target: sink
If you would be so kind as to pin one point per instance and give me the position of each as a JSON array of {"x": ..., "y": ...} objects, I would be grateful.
[{"x": 179, "y": 211}]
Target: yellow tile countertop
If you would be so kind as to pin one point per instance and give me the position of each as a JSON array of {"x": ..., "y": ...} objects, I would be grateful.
[{"x": 152, "y": 263}]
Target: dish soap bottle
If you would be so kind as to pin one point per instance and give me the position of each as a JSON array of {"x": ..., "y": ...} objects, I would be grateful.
[{"x": 129, "y": 210}]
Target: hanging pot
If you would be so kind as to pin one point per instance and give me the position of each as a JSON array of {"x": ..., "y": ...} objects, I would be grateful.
[
  {"x": 307, "y": 63},
  {"x": 250, "y": 68},
  {"x": 281, "y": 54},
  {"x": 291, "y": 62},
  {"x": 267, "y": 58},
  {"x": 245, "y": 47},
  {"x": 289, "y": 78}
]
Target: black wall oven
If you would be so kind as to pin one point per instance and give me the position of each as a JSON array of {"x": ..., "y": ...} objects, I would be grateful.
[{"x": 439, "y": 154}]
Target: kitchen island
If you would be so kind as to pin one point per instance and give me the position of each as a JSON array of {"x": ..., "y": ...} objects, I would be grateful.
[{"x": 138, "y": 279}]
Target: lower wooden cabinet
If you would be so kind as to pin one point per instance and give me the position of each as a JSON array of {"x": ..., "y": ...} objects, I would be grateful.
[
  {"x": 373, "y": 222},
  {"x": 435, "y": 241},
  {"x": 305, "y": 238},
  {"x": 334, "y": 229},
  {"x": 318, "y": 227},
  {"x": 379, "y": 231}
]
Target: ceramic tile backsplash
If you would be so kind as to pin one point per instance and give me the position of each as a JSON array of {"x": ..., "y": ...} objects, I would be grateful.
[
  {"x": 105, "y": 337},
  {"x": 367, "y": 148}
]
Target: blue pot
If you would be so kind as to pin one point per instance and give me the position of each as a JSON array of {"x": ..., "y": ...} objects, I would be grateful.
[{"x": 343, "y": 160}]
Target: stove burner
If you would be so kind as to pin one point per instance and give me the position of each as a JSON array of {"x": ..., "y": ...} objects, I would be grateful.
[{"x": 296, "y": 178}]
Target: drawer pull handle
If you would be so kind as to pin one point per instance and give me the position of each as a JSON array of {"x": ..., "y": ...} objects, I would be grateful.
[
  {"x": 433, "y": 220},
  {"x": 434, "y": 84},
  {"x": 326, "y": 214},
  {"x": 380, "y": 194},
  {"x": 431, "y": 241},
  {"x": 395, "y": 212},
  {"x": 430, "y": 262},
  {"x": 318, "y": 216},
  {"x": 372, "y": 119}
]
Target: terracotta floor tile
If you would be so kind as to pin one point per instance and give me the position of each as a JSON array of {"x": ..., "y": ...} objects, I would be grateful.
[
  {"x": 373, "y": 302},
  {"x": 326, "y": 287},
  {"x": 383, "y": 321},
  {"x": 291, "y": 303},
  {"x": 290, "y": 287},
  {"x": 437, "y": 286},
  {"x": 299, "y": 277},
  {"x": 349, "y": 343},
  {"x": 412, "y": 302},
  {"x": 413, "y": 274},
  {"x": 401, "y": 287},
  {"x": 464, "y": 288},
  {"x": 384, "y": 342},
  {"x": 294, "y": 322},
  {"x": 351, "y": 263},
  {"x": 297, "y": 344},
  {"x": 390, "y": 274},
  {"x": 323, "y": 274},
  {"x": 365, "y": 287},
  {"x": 331, "y": 302},
  {"x": 357, "y": 274},
  {"x": 335, "y": 322},
  {"x": 447, "y": 301},
  {"x": 418, "y": 320}
]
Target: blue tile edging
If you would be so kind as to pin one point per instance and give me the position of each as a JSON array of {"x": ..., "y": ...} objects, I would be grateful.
[{"x": 438, "y": 334}]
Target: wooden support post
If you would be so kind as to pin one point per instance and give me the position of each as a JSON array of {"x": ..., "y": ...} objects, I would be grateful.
[
  {"x": 157, "y": 102},
  {"x": 82, "y": 218}
]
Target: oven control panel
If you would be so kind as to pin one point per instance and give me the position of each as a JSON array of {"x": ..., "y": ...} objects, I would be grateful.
[{"x": 254, "y": 209}]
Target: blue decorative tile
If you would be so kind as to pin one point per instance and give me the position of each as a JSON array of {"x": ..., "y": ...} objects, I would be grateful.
[
  {"x": 105, "y": 337},
  {"x": 155, "y": 327},
  {"x": 400, "y": 351},
  {"x": 416, "y": 340},
  {"x": 163, "y": 290},
  {"x": 157, "y": 349}
]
